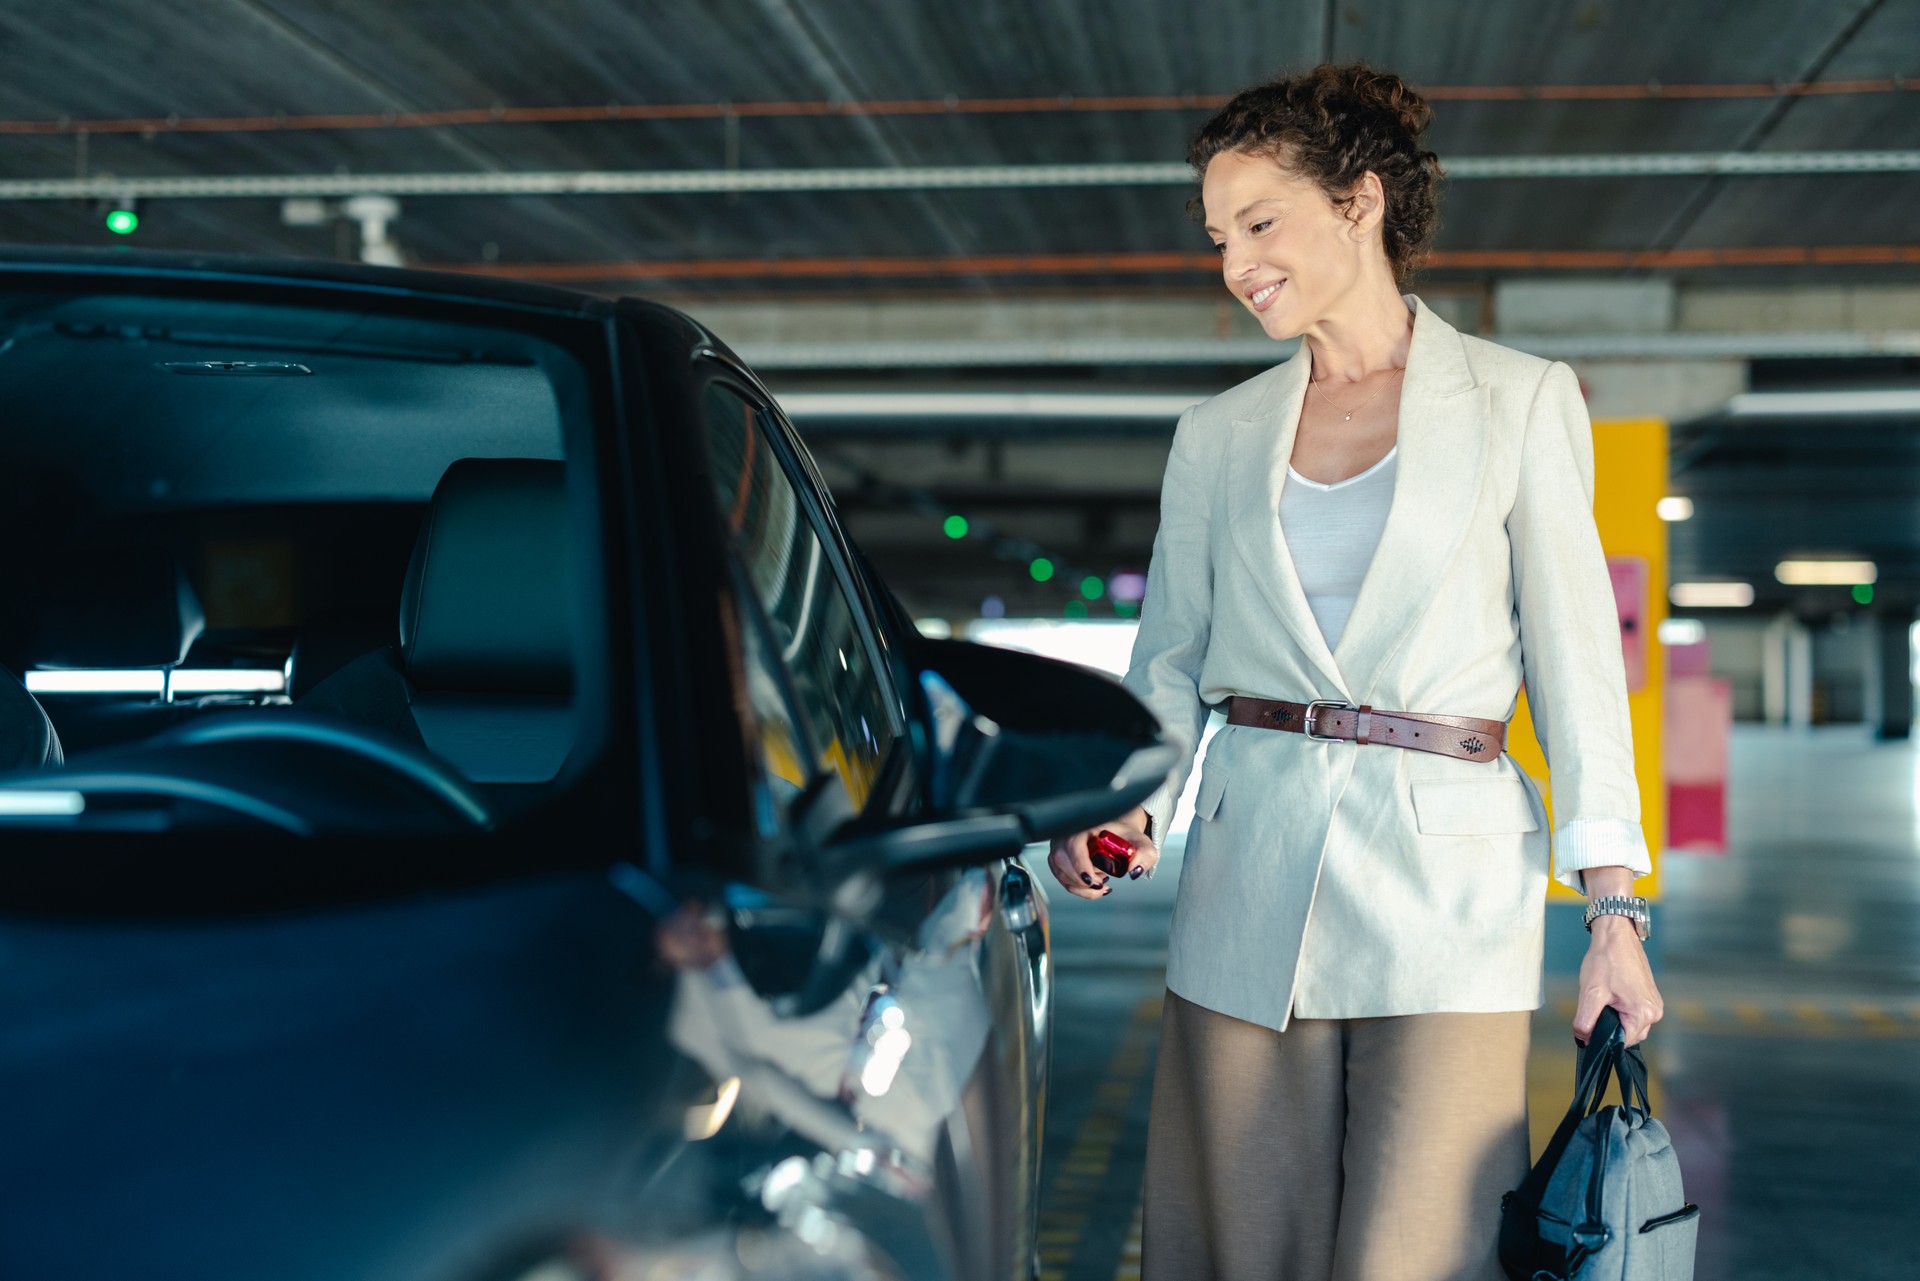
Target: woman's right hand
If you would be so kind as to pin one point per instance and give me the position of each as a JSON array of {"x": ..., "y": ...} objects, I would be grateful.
[{"x": 1071, "y": 866}]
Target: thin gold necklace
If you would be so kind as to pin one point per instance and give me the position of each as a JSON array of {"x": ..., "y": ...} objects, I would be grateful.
[{"x": 1363, "y": 404}]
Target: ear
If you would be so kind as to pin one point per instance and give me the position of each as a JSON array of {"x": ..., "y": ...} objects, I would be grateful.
[{"x": 1367, "y": 206}]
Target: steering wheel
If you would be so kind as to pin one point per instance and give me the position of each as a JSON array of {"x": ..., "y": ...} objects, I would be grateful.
[{"x": 304, "y": 774}]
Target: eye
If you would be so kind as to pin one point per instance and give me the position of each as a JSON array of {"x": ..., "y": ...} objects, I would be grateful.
[
  {"x": 1259, "y": 227},
  {"x": 1220, "y": 247}
]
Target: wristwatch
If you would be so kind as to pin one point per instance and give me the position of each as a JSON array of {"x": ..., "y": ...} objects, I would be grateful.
[{"x": 1631, "y": 906}]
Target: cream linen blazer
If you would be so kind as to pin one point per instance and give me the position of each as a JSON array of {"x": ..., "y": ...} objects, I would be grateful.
[{"x": 1329, "y": 880}]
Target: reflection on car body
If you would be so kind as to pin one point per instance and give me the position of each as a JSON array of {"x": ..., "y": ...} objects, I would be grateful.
[{"x": 563, "y": 859}]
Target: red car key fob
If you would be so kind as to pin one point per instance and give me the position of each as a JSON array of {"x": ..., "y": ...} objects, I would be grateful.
[{"x": 1109, "y": 853}]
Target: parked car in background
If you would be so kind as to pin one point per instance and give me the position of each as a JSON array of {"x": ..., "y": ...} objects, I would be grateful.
[{"x": 470, "y": 812}]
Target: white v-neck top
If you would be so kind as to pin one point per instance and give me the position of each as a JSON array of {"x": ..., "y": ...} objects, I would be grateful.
[{"x": 1332, "y": 531}]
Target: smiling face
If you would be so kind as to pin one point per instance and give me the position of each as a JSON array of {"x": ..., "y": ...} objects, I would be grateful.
[{"x": 1286, "y": 251}]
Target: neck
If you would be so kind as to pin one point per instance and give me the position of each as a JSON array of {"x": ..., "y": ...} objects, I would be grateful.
[{"x": 1366, "y": 333}]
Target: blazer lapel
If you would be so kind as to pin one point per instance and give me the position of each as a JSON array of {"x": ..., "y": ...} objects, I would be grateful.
[
  {"x": 1443, "y": 427},
  {"x": 1258, "y": 453}
]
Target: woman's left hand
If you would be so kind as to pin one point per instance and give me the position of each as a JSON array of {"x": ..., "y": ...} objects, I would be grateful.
[{"x": 1616, "y": 973}]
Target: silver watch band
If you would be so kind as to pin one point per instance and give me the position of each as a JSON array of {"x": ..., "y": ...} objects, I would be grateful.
[{"x": 1631, "y": 906}]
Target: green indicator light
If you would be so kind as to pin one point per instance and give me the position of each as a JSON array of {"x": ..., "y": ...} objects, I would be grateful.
[
  {"x": 1125, "y": 608},
  {"x": 1863, "y": 593},
  {"x": 956, "y": 527},
  {"x": 1091, "y": 587},
  {"x": 1041, "y": 568},
  {"x": 1076, "y": 609},
  {"x": 121, "y": 222}
]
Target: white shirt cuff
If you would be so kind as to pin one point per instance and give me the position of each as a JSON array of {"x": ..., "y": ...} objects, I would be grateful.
[
  {"x": 1598, "y": 842},
  {"x": 1160, "y": 805}
]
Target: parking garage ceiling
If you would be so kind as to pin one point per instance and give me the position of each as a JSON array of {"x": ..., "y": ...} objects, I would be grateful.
[
  {"x": 1017, "y": 150},
  {"x": 124, "y": 92}
]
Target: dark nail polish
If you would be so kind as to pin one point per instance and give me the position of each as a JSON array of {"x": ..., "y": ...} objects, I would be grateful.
[
  {"x": 1087, "y": 877},
  {"x": 1136, "y": 873},
  {"x": 1107, "y": 890}
]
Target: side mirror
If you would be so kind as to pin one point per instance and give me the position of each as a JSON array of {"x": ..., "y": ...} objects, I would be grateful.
[{"x": 1018, "y": 748}]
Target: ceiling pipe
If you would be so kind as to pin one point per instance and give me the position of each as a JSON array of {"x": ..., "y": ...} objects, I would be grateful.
[
  {"x": 910, "y": 178},
  {"x": 1160, "y": 262},
  {"x": 1173, "y": 352},
  {"x": 951, "y": 105}
]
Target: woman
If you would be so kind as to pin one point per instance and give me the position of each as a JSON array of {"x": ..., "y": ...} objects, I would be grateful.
[{"x": 1362, "y": 553}]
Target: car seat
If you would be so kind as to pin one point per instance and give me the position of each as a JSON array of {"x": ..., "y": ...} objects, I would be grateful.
[{"x": 483, "y": 675}]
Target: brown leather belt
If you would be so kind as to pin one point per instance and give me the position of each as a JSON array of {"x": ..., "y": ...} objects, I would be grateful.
[{"x": 1467, "y": 737}]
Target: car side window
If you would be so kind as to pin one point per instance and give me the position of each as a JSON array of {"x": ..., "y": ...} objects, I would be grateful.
[
  {"x": 778, "y": 747},
  {"x": 813, "y": 626}
]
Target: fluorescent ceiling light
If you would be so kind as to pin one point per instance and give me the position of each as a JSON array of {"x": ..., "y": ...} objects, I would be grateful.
[
  {"x": 1765, "y": 404},
  {"x": 985, "y": 404},
  {"x": 1682, "y": 631},
  {"x": 47, "y": 804},
  {"x": 137, "y": 681},
  {"x": 1674, "y": 507},
  {"x": 96, "y": 682},
  {"x": 1711, "y": 595},
  {"x": 1825, "y": 573},
  {"x": 230, "y": 681}
]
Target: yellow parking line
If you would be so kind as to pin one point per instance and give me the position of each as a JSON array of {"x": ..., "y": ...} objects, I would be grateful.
[
  {"x": 1090, "y": 1157},
  {"x": 1808, "y": 1012},
  {"x": 1129, "y": 1269},
  {"x": 1872, "y": 1016}
]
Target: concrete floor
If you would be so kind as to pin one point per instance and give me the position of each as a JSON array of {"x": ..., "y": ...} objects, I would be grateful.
[{"x": 1787, "y": 1068}]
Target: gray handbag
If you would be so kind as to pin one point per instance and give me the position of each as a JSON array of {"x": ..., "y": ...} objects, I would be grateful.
[{"x": 1604, "y": 1201}]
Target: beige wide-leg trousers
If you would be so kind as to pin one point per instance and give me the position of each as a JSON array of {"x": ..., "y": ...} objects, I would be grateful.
[{"x": 1371, "y": 1149}]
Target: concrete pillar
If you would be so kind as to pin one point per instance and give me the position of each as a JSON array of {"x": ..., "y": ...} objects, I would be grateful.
[
  {"x": 1889, "y": 693},
  {"x": 1786, "y": 675}
]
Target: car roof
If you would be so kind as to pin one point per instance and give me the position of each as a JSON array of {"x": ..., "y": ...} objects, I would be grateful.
[{"x": 109, "y": 265}]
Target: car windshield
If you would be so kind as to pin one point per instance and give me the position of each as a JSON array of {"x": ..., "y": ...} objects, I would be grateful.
[{"x": 285, "y": 563}]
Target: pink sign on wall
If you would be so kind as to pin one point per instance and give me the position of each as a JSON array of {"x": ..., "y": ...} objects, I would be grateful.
[
  {"x": 1629, "y": 574},
  {"x": 1699, "y": 729}
]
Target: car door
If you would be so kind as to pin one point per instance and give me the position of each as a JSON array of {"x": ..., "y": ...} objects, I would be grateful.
[
  {"x": 964, "y": 950},
  {"x": 1015, "y": 963}
]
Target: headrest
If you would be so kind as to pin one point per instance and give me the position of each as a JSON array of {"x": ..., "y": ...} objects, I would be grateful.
[
  {"x": 27, "y": 737},
  {"x": 127, "y": 605},
  {"x": 488, "y": 602}
]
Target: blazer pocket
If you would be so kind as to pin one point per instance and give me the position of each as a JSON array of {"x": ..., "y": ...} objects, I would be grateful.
[
  {"x": 1478, "y": 807},
  {"x": 1207, "y": 802}
]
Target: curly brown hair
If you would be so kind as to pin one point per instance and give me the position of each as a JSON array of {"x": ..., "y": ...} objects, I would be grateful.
[{"x": 1331, "y": 125}]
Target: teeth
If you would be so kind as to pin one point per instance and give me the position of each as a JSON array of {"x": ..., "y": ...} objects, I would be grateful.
[{"x": 1264, "y": 294}]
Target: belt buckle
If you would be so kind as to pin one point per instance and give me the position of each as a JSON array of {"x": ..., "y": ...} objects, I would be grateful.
[{"x": 1314, "y": 706}]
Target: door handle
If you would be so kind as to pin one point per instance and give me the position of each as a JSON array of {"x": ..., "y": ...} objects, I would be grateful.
[{"x": 1019, "y": 905}]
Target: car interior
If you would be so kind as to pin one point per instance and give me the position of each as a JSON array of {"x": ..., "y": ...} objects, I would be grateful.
[{"x": 251, "y": 519}]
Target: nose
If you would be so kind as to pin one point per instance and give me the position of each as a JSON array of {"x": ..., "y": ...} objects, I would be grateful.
[{"x": 1237, "y": 266}]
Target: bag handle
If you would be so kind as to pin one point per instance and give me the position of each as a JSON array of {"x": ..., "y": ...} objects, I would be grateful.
[
  {"x": 1631, "y": 1069},
  {"x": 1607, "y": 1044},
  {"x": 1605, "y": 1053}
]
